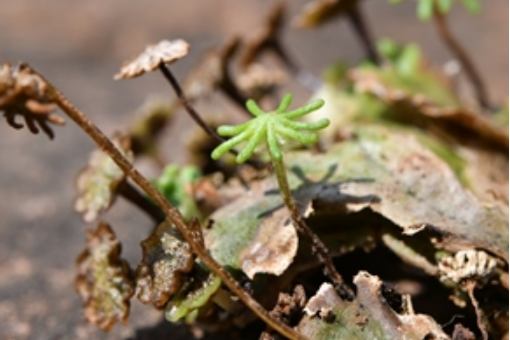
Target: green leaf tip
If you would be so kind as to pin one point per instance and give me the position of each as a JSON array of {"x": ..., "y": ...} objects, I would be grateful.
[{"x": 271, "y": 128}]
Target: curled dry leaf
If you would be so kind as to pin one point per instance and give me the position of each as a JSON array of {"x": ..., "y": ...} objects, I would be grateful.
[
  {"x": 164, "y": 52},
  {"x": 412, "y": 185},
  {"x": 367, "y": 317},
  {"x": 428, "y": 108},
  {"x": 166, "y": 260},
  {"x": 253, "y": 233},
  {"x": 104, "y": 280},
  {"x": 23, "y": 93},
  {"x": 467, "y": 264},
  {"x": 290, "y": 306},
  {"x": 98, "y": 182},
  {"x": 318, "y": 12}
]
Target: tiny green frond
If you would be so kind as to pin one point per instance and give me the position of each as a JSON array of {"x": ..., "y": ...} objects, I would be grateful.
[
  {"x": 310, "y": 107},
  {"x": 230, "y": 130},
  {"x": 285, "y": 103},
  {"x": 254, "y": 109},
  {"x": 270, "y": 128},
  {"x": 319, "y": 125},
  {"x": 223, "y": 148}
]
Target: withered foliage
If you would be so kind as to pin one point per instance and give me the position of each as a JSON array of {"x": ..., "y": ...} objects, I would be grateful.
[
  {"x": 104, "y": 280},
  {"x": 24, "y": 93},
  {"x": 165, "y": 52},
  {"x": 97, "y": 184},
  {"x": 469, "y": 264},
  {"x": 166, "y": 260}
]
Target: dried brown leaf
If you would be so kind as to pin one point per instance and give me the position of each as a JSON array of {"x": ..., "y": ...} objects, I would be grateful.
[
  {"x": 104, "y": 279},
  {"x": 319, "y": 12},
  {"x": 164, "y": 52},
  {"x": 253, "y": 233},
  {"x": 24, "y": 93},
  {"x": 98, "y": 182},
  {"x": 367, "y": 317},
  {"x": 166, "y": 260},
  {"x": 455, "y": 122}
]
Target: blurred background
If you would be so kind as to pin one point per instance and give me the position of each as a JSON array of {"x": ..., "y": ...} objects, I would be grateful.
[{"x": 79, "y": 46}]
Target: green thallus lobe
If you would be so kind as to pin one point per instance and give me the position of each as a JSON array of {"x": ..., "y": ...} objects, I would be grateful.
[{"x": 272, "y": 128}]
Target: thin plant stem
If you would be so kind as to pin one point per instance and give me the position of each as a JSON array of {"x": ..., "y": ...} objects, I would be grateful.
[
  {"x": 459, "y": 53},
  {"x": 131, "y": 194},
  {"x": 361, "y": 29},
  {"x": 194, "y": 114},
  {"x": 471, "y": 285},
  {"x": 184, "y": 101},
  {"x": 318, "y": 247},
  {"x": 190, "y": 232}
]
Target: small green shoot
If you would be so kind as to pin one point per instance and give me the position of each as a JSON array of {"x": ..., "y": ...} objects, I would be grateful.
[{"x": 273, "y": 127}]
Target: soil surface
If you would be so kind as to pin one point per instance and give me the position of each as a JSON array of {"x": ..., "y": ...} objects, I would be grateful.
[{"x": 79, "y": 46}]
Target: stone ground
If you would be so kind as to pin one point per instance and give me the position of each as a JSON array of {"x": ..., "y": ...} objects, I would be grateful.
[{"x": 79, "y": 46}]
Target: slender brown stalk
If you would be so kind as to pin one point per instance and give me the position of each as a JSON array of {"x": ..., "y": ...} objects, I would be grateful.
[
  {"x": 131, "y": 194},
  {"x": 191, "y": 233},
  {"x": 194, "y": 114},
  {"x": 184, "y": 101},
  {"x": 360, "y": 27},
  {"x": 318, "y": 247},
  {"x": 470, "y": 286},
  {"x": 459, "y": 53}
]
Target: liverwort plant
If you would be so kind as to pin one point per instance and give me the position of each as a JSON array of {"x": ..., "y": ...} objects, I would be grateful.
[{"x": 273, "y": 128}]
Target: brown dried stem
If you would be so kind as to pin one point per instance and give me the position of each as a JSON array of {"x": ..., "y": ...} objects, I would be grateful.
[
  {"x": 184, "y": 101},
  {"x": 194, "y": 114},
  {"x": 470, "y": 286},
  {"x": 360, "y": 27},
  {"x": 318, "y": 247},
  {"x": 459, "y": 53},
  {"x": 191, "y": 233}
]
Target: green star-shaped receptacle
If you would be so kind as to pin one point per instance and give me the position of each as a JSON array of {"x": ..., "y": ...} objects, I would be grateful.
[{"x": 271, "y": 128}]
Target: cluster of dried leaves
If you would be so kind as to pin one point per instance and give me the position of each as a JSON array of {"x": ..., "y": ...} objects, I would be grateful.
[
  {"x": 406, "y": 168},
  {"x": 23, "y": 93}
]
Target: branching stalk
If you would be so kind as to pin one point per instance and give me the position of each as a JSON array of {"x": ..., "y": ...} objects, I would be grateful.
[
  {"x": 459, "y": 53},
  {"x": 191, "y": 233}
]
